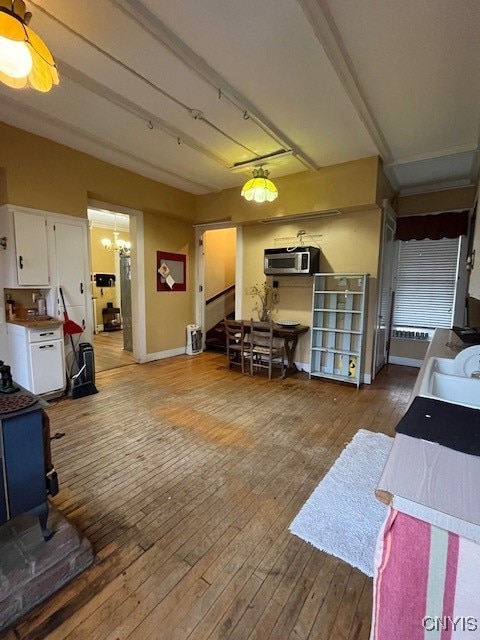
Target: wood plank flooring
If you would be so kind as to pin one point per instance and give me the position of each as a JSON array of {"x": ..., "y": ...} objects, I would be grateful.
[
  {"x": 186, "y": 477},
  {"x": 109, "y": 351}
]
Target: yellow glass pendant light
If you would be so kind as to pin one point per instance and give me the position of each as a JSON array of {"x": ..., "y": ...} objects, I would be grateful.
[
  {"x": 25, "y": 60},
  {"x": 260, "y": 188}
]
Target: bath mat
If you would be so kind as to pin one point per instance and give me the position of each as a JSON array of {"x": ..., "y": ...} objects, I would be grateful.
[{"x": 342, "y": 516}]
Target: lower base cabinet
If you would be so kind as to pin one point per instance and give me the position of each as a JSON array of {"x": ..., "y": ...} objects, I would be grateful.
[{"x": 37, "y": 357}]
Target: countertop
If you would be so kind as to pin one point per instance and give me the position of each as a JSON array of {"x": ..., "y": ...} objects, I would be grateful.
[
  {"x": 430, "y": 481},
  {"x": 37, "y": 323}
]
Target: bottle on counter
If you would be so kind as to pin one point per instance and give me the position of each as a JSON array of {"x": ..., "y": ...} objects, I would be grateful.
[
  {"x": 42, "y": 306},
  {"x": 10, "y": 308}
]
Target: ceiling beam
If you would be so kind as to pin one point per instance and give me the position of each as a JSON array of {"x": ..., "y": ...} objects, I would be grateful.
[
  {"x": 150, "y": 119},
  {"x": 137, "y": 11},
  {"x": 433, "y": 155},
  {"x": 325, "y": 29}
]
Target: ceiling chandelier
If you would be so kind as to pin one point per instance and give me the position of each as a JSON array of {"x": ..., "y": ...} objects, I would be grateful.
[
  {"x": 25, "y": 60},
  {"x": 260, "y": 188},
  {"x": 117, "y": 244}
]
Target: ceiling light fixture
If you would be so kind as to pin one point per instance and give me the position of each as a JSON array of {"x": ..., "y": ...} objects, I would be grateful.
[
  {"x": 25, "y": 60},
  {"x": 122, "y": 246},
  {"x": 260, "y": 188}
]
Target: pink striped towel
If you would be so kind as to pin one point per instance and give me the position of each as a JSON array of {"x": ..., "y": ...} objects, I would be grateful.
[{"x": 426, "y": 583}]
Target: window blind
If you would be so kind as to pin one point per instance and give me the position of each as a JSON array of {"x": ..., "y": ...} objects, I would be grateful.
[{"x": 426, "y": 281}]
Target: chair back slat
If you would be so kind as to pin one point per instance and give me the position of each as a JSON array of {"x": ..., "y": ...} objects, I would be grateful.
[
  {"x": 235, "y": 342},
  {"x": 263, "y": 353}
]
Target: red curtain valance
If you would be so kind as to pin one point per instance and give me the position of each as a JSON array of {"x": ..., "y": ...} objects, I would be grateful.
[{"x": 449, "y": 224}]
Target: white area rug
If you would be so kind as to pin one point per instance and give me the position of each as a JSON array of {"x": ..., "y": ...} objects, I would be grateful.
[{"x": 342, "y": 516}]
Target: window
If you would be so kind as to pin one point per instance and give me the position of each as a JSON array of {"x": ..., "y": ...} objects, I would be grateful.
[{"x": 427, "y": 273}]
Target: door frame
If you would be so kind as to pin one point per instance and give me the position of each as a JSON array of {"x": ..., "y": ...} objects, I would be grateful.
[
  {"x": 388, "y": 216},
  {"x": 200, "y": 271},
  {"x": 137, "y": 254}
]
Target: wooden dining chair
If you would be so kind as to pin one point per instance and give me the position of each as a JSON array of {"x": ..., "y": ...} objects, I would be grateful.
[
  {"x": 264, "y": 354},
  {"x": 235, "y": 341}
]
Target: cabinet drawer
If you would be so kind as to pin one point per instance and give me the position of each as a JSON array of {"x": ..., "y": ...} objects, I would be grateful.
[{"x": 45, "y": 335}]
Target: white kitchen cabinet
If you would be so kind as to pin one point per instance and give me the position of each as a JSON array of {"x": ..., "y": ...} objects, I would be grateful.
[
  {"x": 36, "y": 357},
  {"x": 25, "y": 261},
  {"x": 70, "y": 245},
  {"x": 338, "y": 326},
  {"x": 71, "y": 273}
]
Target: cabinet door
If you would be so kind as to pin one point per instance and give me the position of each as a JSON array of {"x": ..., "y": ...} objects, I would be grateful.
[
  {"x": 31, "y": 249},
  {"x": 24, "y": 462},
  {"x": 47, "y": 366},
  {"x": 70, "y": 244}
]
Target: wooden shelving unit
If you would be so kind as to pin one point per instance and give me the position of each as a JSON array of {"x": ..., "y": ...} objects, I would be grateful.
[{"x": 338, "y": 326}]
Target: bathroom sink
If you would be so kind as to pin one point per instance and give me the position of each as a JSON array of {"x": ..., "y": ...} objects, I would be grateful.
[{"x": 454, "y": 380}]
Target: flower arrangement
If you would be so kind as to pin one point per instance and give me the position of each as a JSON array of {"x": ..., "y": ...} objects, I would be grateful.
[{"x": 264, "y": 294}]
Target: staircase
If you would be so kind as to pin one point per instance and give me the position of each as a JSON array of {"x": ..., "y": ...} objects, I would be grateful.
[
  {"x": 216, "y": 308},
  {"x": 215, "y": 338}
]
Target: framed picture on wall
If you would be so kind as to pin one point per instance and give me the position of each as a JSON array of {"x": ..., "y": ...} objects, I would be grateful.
[{"x": 171, "y": 271}]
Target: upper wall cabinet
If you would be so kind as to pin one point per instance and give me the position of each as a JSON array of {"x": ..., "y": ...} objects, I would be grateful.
[{"x": 25, "y": 260}]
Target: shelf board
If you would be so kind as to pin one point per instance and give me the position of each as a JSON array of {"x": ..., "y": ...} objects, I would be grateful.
[
  {"x": 334, "y": 376},
  {"x": 337, "y": 310},
  {"x": 343, "y": 352},
  {"x": 348, "y": 331},
  {"x": 347, "y": 293}
]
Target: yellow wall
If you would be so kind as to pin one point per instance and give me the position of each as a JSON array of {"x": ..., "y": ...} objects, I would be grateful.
[
  {"x": 349, "y": 243},
  {"x": 102, "y": 261},
  {"x": 45, "y": 175},
  {"x": 348, "y": 186},
  {"x": 168, "y": 312},
  {"x": 384, "y": 188},
  {"x": 405, "y": 348},
  {"x": 219, "y": 246},
  {"x": 435, "y": 201}
]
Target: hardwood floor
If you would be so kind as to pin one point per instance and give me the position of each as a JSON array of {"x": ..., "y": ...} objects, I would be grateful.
[
  {"x": 186, "y": 477},
  {"x": 109, "y": 351}
]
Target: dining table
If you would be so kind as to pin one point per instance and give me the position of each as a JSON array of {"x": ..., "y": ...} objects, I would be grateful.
[{"x": 289, "y": 333}]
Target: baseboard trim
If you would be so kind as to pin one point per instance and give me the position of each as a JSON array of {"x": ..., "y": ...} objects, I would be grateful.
[
  {"x": 161, "y": 355},
  {"x": 406, "y": 362}
]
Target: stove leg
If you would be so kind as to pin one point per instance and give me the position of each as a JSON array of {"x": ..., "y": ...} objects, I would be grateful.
[{"x": 42, "y": 513}]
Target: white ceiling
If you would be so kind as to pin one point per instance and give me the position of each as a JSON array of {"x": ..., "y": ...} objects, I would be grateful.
[{"x": 181, "y": 91}]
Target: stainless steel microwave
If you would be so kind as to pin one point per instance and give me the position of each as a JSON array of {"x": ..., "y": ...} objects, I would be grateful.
[{"x": 290, "y": 262}]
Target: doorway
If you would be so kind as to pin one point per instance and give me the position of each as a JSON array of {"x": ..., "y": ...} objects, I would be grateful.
[
  {"x": 110, "y": 260},
  {"x": 218, "y": 280},
  {"x": 385, "y": 288}
]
